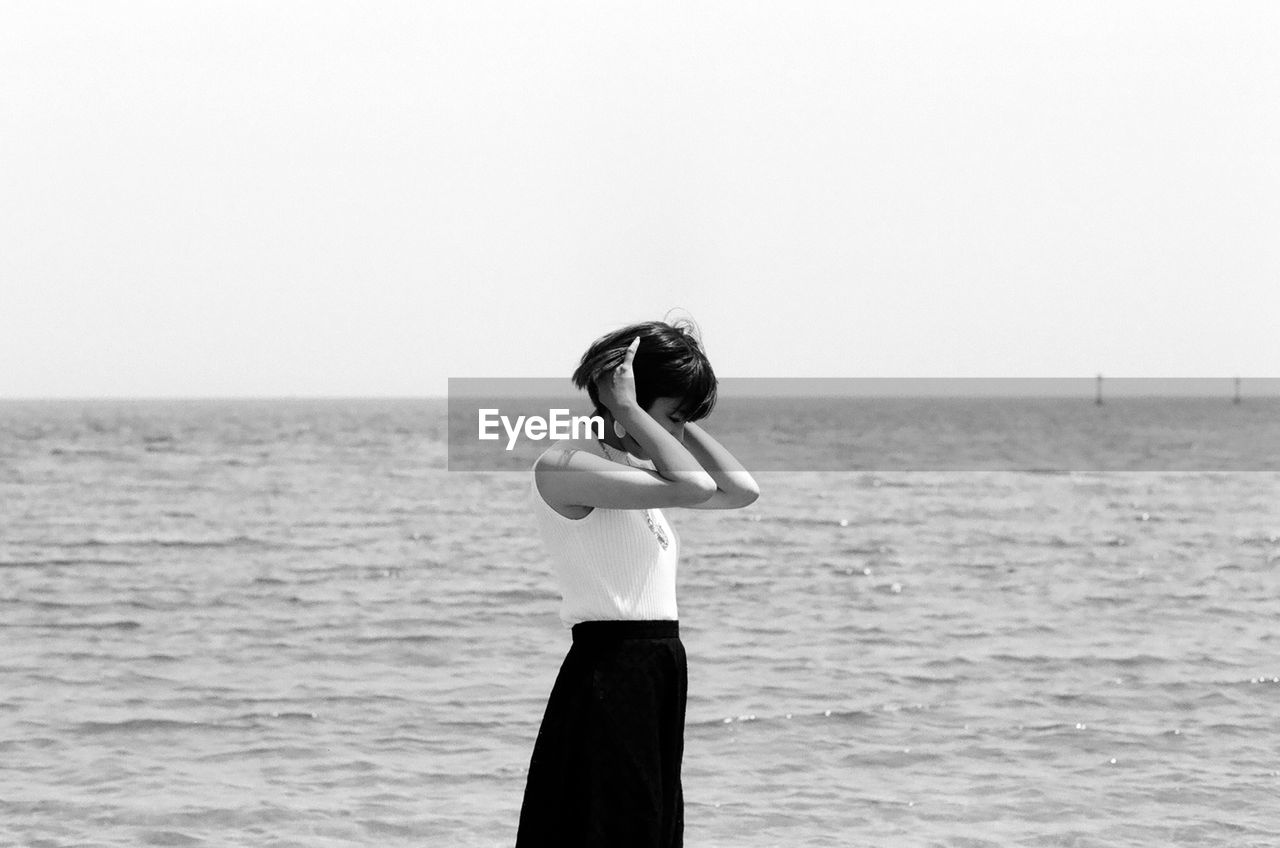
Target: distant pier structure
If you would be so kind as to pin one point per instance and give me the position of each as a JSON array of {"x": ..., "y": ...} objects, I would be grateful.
[{"x": 1097, "y": 395}]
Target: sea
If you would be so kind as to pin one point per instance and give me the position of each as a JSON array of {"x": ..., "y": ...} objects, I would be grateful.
[{"x": 281, "y": 623}]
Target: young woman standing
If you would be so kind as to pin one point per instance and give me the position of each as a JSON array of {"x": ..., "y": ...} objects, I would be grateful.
[{"x": 605, "y": 769}]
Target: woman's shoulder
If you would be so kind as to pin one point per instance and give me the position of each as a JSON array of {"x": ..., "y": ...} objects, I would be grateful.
[{"x": 558, "y": 457}]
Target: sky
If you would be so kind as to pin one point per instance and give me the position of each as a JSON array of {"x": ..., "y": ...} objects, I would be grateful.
[{"x": 353, "y": 199}]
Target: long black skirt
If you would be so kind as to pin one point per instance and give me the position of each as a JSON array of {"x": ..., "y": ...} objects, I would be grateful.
[{"x": 606, "y": 765}]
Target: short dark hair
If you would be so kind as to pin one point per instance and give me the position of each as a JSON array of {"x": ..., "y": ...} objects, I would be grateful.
[{"x": 670, "y": 362}]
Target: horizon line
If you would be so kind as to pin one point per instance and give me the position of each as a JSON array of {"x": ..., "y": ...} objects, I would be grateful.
[
  {"x": 1225, "y": 396},
  {"x": 786, "y": 387}
]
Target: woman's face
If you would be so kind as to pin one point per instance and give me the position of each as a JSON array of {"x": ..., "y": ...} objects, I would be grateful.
[{"x": 664, "y": 411}]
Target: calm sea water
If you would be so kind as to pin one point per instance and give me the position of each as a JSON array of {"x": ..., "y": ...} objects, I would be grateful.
[{"x": 282, "y": 623}]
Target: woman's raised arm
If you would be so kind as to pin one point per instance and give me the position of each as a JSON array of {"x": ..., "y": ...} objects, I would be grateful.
[{"x": 735, "y": 487}]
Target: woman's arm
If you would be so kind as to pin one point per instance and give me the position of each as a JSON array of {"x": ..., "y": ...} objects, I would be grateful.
[
  {"x": 670, "y": 458},
  {"x": 735, "y": 487},
  {"x": 572, "y": 477}
]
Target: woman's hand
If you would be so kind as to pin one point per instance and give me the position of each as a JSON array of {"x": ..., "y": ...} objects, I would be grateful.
[{"x": 616, "y": 388}]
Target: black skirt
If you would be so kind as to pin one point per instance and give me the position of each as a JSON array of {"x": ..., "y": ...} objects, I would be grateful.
[{"x": 606, "y": 765}]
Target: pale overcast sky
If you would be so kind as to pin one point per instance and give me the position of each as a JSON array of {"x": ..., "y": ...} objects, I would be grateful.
[{"x": 314, "y": 198}]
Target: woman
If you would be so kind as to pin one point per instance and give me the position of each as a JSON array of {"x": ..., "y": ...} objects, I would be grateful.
[{"x": 605, "y": 769}]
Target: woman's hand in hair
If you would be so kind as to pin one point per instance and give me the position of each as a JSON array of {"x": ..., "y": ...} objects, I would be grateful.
[{"x": 617, "y": 386}]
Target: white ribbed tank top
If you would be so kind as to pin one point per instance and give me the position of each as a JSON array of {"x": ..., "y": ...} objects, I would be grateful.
[{"x": 611, "y": 564}]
